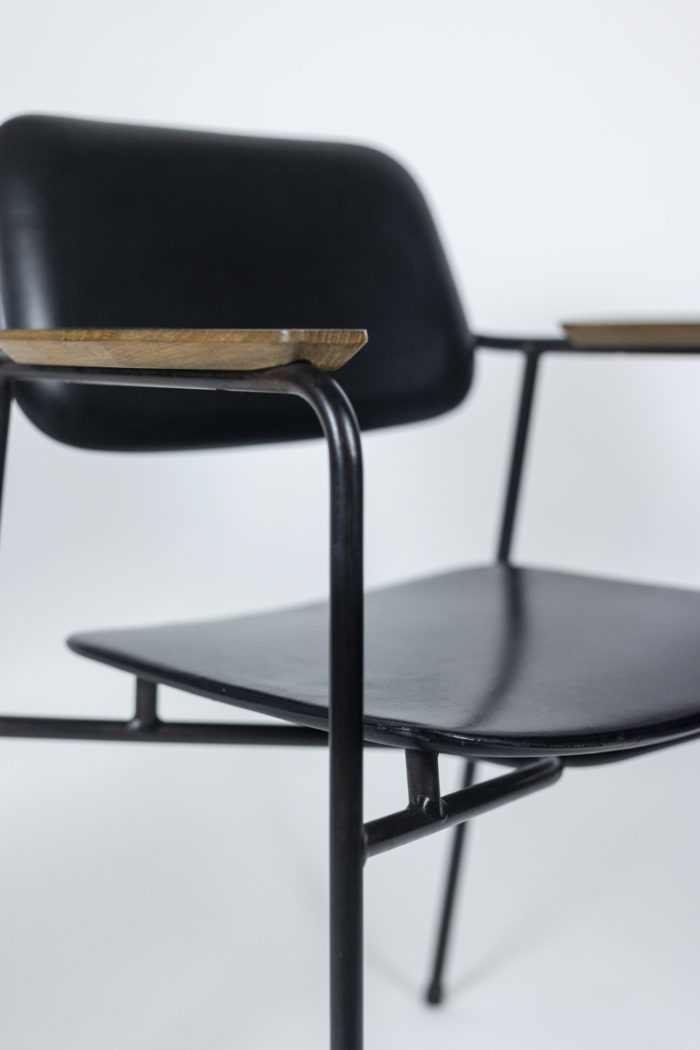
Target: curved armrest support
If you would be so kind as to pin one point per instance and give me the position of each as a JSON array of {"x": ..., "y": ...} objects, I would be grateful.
[
  {"x": 341, "y": 429},
  {"x": 526, "y": 344},
  {"x": 586, "y": 338},
  {"x": 342, "y": 433}
]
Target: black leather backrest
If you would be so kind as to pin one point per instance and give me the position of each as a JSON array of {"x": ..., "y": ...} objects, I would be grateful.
[{"x": 109, "y": 226}]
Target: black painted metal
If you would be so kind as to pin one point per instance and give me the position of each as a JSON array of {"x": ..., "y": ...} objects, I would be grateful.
[
  {"x": 146, "y": 713},
  {"x": 6, "y": 391},
  {"x": 433, "y": 993},
  {"x": 536, "y": 345},
  {"x": 285, "y": 379},
  {"x": 533, "y": 351},
  {"x": 413, "y": 823},
  {"x": 160, "y": 732},
  {"x": 42, "y": 728},
  {"x": 423, "y": 781},
  {"x": 526, "y": 344},
  {"x": 346, "y": 708},
  {"x": 518, "y": 455},
  {"x": 341, "y": 430}
]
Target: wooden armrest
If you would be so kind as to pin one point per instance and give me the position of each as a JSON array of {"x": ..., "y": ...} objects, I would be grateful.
[
  {"x": 199, "y": 349},
  {"x": 631, "y": 337},
  {"x": 635, "y": 336}
]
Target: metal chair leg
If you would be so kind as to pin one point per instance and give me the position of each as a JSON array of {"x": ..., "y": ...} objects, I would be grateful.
[
  {"x": 347, "y": 844},
  {"x": 434, "y": 992},
  {"x": 6, "y": 394},
  {"x": 346, "y": 930}
]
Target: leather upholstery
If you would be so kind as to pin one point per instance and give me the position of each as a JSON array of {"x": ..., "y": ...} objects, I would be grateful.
[
  {"x": 108, "y": 225},
  {"x": 495, "y": 661}
]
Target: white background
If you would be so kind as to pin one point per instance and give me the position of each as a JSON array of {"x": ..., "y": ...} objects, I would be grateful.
[{"x": 176, "y": 898}]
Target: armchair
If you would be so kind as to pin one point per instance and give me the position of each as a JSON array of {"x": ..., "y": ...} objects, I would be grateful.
[{"x": 105, "y": 227}]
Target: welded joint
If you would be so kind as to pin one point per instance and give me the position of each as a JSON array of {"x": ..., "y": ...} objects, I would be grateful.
[
  {"x": 434, "y": 808},
  {"x": 416, "y": 821},
  {"x": 145, "y": 710},
  {"x": 423, "y": 777}
]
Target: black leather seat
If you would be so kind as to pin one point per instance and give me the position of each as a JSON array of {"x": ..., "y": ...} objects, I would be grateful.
[{"x": 497, "y": 661}]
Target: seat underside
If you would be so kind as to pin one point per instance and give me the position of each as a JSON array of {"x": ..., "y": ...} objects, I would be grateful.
[{"x": 497, "y": 661}]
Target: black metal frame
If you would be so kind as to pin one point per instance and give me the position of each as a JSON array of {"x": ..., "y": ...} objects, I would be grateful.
[
  {"x": 340, "y": 428},
  {"x": 351, "y": 840},
  {"x": 532, "y": 349},
  {"x": 428, "y": 813}
]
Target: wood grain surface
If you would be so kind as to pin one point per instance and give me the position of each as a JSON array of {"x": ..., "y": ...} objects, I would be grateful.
[
  {"x": 203, "y": 349},
  {"x": 671, "y": 334}
]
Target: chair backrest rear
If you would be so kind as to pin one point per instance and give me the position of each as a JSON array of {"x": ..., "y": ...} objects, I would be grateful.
[{"x": 109, "y": 225}]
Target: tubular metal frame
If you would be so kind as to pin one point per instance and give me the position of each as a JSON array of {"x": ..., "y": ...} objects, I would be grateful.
[
  {"x": 351, "y": 840},
  {"x": 425, "y": 815},
  {"x": 434, "y": 990},
  {"x": 532, "y": 349},
  {"x": 342, "y": 434}
]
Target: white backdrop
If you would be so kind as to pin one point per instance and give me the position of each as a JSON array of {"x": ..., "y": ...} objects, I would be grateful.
[{"x": 557, "y": 145}]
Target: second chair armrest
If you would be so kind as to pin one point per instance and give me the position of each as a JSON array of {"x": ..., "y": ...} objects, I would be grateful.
[
  {"x": 527, "y": 344},
  {"x": 610, "y": 337}
]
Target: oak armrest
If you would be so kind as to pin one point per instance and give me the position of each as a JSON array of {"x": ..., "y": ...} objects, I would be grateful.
[
  {"x": 607, "y": 337},
  {"x": 674, "y": 337},
  {"x": 203, "y": 349}
]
